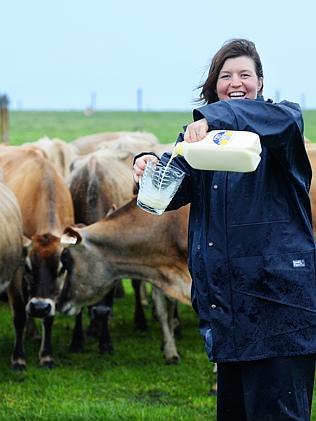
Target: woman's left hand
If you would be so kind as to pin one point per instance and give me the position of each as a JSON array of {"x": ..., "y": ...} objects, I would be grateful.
[{"x": 196, "y": 131}]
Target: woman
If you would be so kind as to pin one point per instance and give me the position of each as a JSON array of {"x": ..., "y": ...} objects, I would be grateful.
[{"x": 251, "y": 247}]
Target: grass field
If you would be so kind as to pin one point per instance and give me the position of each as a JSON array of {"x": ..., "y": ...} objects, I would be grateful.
[
  {"x": 31, "y": 125},
  {"x": 134, "y": 383}
]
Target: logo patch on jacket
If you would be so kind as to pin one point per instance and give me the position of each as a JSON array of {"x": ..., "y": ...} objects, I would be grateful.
[{"x": 299, "y": 263}]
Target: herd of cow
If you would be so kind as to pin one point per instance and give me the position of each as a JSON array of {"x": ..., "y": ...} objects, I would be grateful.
[{"x": 70, "y": 230}]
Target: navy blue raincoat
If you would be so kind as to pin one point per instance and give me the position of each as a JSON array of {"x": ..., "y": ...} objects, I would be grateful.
[{"x": 251, "y": 244}]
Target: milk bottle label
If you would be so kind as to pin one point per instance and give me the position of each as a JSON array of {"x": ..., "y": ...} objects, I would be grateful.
[{"x": 223, "y": 138}]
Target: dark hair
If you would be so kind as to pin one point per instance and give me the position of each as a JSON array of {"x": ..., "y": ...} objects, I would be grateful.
[{"x": 231, "y": 49}]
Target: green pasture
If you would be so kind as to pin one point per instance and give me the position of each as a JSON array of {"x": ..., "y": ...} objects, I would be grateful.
[
  {"x": 26, "y": 126},
  {"x": 133, "y": 383},
  {"x": 29, "y": 126}
]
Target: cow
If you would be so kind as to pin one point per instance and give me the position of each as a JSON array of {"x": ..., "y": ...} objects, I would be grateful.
[
  {"x": 132, "y": 141},
  {"x": 10, "y": 148},
  {"x": 46, "y": 208},
  {"x": 127, "y": 243},
  {"x": 11, "y": 238},
  {"x": 57, "y": 151},
  {"x": 11, "y": 247},
  {"x": 97, "y": 182}
]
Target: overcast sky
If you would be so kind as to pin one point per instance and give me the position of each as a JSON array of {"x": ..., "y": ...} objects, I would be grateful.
[{"x": 69, "y": 54}]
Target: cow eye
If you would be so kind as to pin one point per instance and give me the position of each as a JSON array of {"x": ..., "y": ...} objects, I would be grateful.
[
  {"x": 66, "y": 259},
  {"x": 61, "y": 269}
]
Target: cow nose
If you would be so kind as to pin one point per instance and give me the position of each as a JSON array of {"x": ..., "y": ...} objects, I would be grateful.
[
  {"x": 100, "y": 312},
  {"x": 39, "y": 309}
]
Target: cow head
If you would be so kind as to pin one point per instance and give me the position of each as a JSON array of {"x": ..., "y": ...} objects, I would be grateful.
[
  {"x": 85, "y": 272},
  {"x": 44, "y": 274}
]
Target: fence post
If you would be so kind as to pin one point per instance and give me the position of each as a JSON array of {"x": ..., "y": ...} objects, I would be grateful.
[{"x": 4, "y": 119}]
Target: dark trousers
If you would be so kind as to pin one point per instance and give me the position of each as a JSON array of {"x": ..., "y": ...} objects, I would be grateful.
[{"x": 272, "y": 389}]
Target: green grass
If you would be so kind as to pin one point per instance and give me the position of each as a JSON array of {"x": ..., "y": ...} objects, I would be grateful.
[
  {"x": 29, "y": 126},
  {"x": 134, "y": 383},
  {"x": 26, "y": 126}
]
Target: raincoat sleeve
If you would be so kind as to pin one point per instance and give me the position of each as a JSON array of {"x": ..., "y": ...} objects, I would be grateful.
[{"x": 280, "y": 126}]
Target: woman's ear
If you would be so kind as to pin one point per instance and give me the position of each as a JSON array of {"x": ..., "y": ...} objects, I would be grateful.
[{"x": 260, "y": 85}]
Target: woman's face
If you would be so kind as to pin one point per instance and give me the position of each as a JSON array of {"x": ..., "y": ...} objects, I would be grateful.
[{"x": 238, "y": 79}]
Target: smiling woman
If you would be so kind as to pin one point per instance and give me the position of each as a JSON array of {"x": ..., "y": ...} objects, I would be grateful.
[{"x": 251, "y": 246}]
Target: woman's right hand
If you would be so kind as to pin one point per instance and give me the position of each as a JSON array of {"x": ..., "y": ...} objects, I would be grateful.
[
  {"x": 140, "y": 165},
  {"x": 196, "y": 131}
]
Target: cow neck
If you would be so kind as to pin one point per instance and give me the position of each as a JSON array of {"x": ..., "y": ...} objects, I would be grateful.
[{"x": 130, "y": 234}]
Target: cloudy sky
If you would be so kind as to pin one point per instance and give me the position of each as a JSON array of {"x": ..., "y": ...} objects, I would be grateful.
[{"x": 69, "y": 54}]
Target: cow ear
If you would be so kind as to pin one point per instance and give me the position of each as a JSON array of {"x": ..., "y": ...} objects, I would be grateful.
[
  {"x": 66, "y": 240},
  {"x": 70, "y": 236},
  {"x": 26, "y": 248},
  {"x": 111, "y": 210},
  {"x": 27, "y": 245}
]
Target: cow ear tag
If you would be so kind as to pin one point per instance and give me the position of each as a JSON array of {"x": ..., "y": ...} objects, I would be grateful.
[{"x": 68, "y": 239}]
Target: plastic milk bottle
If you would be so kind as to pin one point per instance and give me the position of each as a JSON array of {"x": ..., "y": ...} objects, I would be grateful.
[{"x": 222, "y": 150}]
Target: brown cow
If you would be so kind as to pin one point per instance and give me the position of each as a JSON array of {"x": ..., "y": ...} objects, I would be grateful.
[
  {"x": 57, "y": 151},
  {"x": 131, "y": 141},
  {"x": 46, "y": 208},
  {"x": 98, "y": 180},
  {"x": 127, "y": 243}
]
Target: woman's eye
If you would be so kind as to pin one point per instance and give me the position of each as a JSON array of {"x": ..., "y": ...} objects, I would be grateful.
[
  {"x": 245, "y": 75},
  {"x": 225, "y": 77}
]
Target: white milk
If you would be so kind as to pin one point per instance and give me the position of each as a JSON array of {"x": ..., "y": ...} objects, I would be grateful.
[{"x": 157, "y": 200}]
